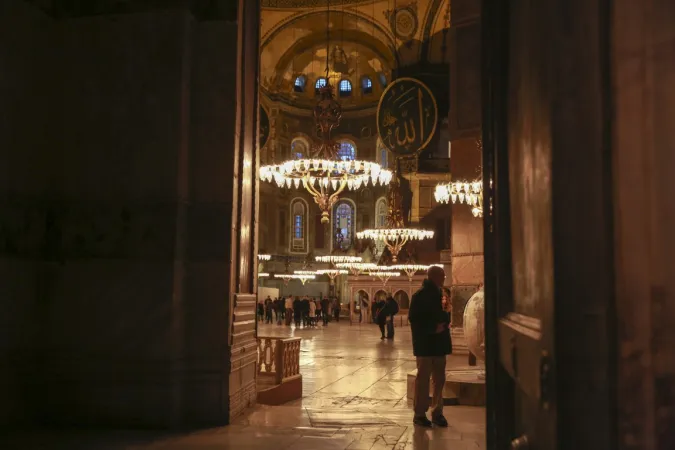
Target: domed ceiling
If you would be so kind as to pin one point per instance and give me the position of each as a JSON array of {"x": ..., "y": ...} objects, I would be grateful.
[{"x": 368, "y": 39}]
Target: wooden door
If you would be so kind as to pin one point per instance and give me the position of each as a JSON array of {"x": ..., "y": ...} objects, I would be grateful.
[{"x": 548, "y": 230}]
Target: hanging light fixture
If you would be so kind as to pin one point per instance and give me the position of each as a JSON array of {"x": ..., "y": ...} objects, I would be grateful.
[
  {"x": 411, "y": 269},
  {"x": 395, "y": 234},
  {"x": 324, "y": 175},
  {"x": 469, "y": 192},
  {"x": 384, "y": 275},
  {"x": 356, "y": 268},
  {"x": 264, "y": 257}
]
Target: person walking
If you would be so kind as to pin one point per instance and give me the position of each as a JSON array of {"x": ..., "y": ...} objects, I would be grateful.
[
  {"x": 325, "y": 309},
  {"x": 289, "y": 310},
  {"x": 336, "y": 309},
  {"x": 381, "y": 314},
  {"x": 319, "y": 313},
  {"x": 261, "y": 311},
  {"x": 392, "y": 309},
  {"x": 269, "y": 306},
  {"x": 305, "y": 311},
  {"x": 297, "y": 311},
  {"x": 430, "y": 326},
  {"x": 312, "y": 312}
]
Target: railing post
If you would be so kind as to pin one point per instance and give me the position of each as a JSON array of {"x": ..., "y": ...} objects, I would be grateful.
[{"x": 279, "y": 361}]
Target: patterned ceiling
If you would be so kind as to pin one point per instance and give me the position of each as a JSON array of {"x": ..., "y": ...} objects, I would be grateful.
[{"x": 309, "y": 3}]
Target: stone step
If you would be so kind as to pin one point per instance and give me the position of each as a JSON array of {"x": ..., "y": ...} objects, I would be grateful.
[{"x": 463, "y": 386}]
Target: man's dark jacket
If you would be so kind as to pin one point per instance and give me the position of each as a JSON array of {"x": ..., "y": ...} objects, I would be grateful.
[{"x": 426, "y": 312}]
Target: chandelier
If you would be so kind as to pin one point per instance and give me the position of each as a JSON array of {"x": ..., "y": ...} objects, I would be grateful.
[
  {"x": 332, "y": 273},
  {"x": 356, "y": 268},
  {"x": 286, "y": 277},
  {"x": 395, "y": 234},
  {"x": 323, "y": 174},
  {"x": 264, "y": 257},
  {"x": 336, "y": 259},
  {"x": 469, "y": 192},
  {"x": 411, "y": 269},
  {"x": 384, "y": 275},
  {"x": 263, "y": 275}
]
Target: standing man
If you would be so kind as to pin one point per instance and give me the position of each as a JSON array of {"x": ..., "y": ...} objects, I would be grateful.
[
  {"x": 325, "y": 309},
  {"x": 289, "y": 310},
  {"x": 430, "y": 326}
]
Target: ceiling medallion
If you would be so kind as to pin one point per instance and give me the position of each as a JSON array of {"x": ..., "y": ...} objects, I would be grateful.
[{"x": 403, "y": 21}]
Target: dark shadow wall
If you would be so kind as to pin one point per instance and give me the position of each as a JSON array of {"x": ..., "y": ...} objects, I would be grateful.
[{"x": 117, "y": 156}]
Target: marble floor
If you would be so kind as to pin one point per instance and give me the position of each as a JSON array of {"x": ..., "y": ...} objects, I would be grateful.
[{"x": 354, "y": 397}]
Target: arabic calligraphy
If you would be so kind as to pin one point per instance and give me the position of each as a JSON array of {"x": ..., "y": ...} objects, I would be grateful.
[{"x": 406, "y": 116}]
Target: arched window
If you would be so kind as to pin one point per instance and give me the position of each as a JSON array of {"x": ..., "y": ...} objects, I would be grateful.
[
  {"x": 298, "y": 225},
  {"x": 383, "y": 78},
  {"x": 299, "y": 85},
  {"x": 345, "y": 88},
  {"x": 382, "y": 155},
  {"x": 380, "y": 222},
  {"x": 343, "y": 225},
  {"x": 320, "y": 82},
  {"x": 299, "y": 149},
  {"x": 381, "y": 213},
  {"x": 366, "y": 85},
  {"x": 347, "y": 151}
]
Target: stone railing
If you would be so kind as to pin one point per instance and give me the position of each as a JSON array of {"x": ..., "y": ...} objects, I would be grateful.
[{"x": 278, "y": 359}]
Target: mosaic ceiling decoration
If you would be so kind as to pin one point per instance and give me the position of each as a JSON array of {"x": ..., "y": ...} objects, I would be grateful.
[{"x": 308, "y": 3}]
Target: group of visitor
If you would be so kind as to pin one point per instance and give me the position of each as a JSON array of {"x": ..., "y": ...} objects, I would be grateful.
[{"x": 305, "y": 311}]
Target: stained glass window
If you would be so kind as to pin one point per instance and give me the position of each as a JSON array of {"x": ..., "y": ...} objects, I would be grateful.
[
  {"x": 343, "y": 225},
  {"x": 366, "y": 85},
  {"x": 347, "y": 151},
  {"x": 345, "y": 88},
  {"x": 299, "y": 85},
  {"x": 299, "y": 149},
  {"x": 299, "y": 211}
]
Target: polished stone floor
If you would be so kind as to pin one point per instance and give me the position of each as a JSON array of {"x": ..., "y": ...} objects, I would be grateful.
[{"x": 354, "y": 397}]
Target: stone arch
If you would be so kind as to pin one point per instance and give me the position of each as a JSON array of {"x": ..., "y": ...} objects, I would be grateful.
[{"x": 402, "y": 299}]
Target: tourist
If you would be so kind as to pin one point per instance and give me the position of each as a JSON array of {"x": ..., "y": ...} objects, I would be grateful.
[
  {"x": 261, "y": 311},
  {"x": 269, "y": 306},
  {"x": 279, "y": 309},
  {"x": 336, "y": 309},
  {"x": 304, "y": 308},
  {"x": 391, "y": 305},
  {"x": 373, "y": 310},
  {"x": 319, "y": 309},
  {"x": 289, "y": 310},
  {"x": 381, "y": 315},
  {"x": 312, "y": 312},
  {"x": 325, "y": 309},
  {"x": 297, "y": 311},
  {"x": 430, "y": 326}
]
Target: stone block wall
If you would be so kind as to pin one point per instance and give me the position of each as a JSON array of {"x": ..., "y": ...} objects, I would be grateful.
[{"x": 116, "y": 216}]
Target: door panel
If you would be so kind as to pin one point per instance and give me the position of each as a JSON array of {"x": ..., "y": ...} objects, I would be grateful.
[{"x": 521, "y": 224}]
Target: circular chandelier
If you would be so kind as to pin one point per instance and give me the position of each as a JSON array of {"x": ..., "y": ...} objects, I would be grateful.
[
  {"x": 325, "y": 179},
  {"x": 356, "y": 268},
  {"x": 286, "y": 277},
  {"x": 411, "y": 269},
  {"x": 335, "y": 259},
  {"x": 469, "y": 192},
  {"x": 395, "y": 234},
  {"x": 384, "y": 275},
  {"x": 332, "y": 273},
  {"x": 263, "y": 275},
  {"x": 264, "y": 257}
]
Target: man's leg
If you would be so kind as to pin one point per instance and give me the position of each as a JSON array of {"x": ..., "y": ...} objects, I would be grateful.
[
  {"x": 438, "y": 378},
  {"x": 381, "y": 325},
  {"x": 421, "y": 398}
]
